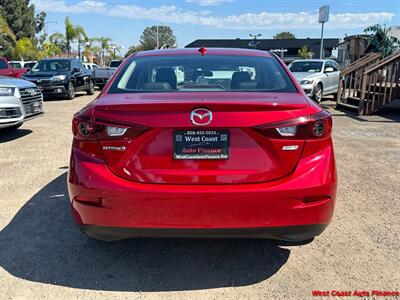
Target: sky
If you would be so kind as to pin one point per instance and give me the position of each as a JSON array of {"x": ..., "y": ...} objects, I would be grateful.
[{"x": 124, "y": 20}]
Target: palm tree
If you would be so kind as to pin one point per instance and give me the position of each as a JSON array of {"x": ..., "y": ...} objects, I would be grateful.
[
  {"x": 90, "y": 48},
  {"x": 305, "y": 53},
  {"x": 380, "y": 40},
  {"x": 6, "y": 30},
  {"x": 104, "y": 46},
  {"x": 73, "y": 32},
  {"x": 59, "y": 40}
]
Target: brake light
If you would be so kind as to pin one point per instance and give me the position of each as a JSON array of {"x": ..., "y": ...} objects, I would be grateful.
[
  {"x": 87, "y": 127},
  {"x": 320, "y": 125},
  {"x": 316, "y": 126},
  {"x": 83, "y": 127}
]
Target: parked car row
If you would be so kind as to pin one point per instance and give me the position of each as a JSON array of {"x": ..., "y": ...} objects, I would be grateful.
[
  {"x": 19, "y": 64},
  {"x": 61, "y": 77},
  {"x": 20, "y": 100}
]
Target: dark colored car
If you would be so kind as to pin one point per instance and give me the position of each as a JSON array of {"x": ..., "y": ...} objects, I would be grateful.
[
  {"x": 102, "y": 75},
  {"x": 61, "y": 77},
  {"x": 217, "y": 143}
]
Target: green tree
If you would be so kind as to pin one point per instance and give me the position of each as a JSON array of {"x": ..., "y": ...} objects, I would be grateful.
[
  {"x": 25, "y": 50},
  {"x": 58, "y": 39},
  {"x": 20, "y": 16},
  {"x": 305, "y": 53},
  {"x": 73, "y": 33},
  {"x": 49, "y": 50},
  {"x": 40, "y": 21},
  {"x": 157, "y": 36},
  {"x": 5, "y": 30},
  {"x": 284, "y": 35},
  {"x": 133, "y": 49},
  {"x": 7, "y": 38},
  {"x": 104, "y": 43},
  {"x": 90, "y": 48},
  {"x": 380, "y": 39}
]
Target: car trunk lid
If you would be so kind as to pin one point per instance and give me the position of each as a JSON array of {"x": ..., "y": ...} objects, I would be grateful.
[{"x": 158, "y": 118}]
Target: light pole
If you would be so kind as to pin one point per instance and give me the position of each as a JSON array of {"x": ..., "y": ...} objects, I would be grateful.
[
  {"x": 322, "y": 18},
  {"x": 48, "y": 22}
]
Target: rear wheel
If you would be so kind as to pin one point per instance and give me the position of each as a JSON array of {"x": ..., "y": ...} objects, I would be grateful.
[
  {"x": 318, "y": 93},
  {"x": 90, "y": 90},
  {"x": 71, "y": 91}
]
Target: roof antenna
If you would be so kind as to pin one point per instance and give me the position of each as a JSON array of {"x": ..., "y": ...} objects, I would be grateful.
[{"x": 203, "y": 50}]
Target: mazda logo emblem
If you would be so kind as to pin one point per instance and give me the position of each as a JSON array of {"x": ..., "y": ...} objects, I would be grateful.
[{"x": 201, "y": 117}]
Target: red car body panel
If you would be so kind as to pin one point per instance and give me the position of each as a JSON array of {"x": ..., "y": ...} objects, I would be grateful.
[
  {"x": 10, "y": 71},
  {"x": 260, "y": 186}
]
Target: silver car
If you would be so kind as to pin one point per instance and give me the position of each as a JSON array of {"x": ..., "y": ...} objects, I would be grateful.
[
  {"x": 20, "y": 100},
  {"x": 317, "y": 77}
]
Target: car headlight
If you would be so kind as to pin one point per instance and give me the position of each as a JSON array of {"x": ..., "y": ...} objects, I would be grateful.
[
  {"x": 306, "y": 81},
  {"x": 58, "y": 78},
  {"x": 7, "y": 91}
]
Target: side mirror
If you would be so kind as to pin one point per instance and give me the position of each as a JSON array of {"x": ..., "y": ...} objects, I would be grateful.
[{"x": 328, "y": 70}]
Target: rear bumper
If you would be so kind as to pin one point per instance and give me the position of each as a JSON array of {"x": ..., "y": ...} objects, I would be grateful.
[
  {"x": 290, "y": 233},
  {"x": 107, "y": 205}
]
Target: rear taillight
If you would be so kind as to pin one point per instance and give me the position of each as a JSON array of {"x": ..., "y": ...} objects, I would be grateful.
[
  {"x": 83, "y": 126},
  {"x": 320, "y": 125},
  {"x": 316, "y": 126},
  {"x": 86, "y": 127}
]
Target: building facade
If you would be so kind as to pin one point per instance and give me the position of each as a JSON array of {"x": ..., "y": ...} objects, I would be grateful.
[{"x": 286, "y": 48}]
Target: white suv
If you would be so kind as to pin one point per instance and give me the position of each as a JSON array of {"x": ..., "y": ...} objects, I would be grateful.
[
  {"x": 317, "y": 77},
  {"x": 20, "y": 100}
]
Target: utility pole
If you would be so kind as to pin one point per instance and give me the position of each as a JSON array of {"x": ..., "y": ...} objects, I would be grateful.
[
  {"x": 323, "y": 18},
  {"x": 45, "y": 26},
  {"x": 158, "y": 39}
]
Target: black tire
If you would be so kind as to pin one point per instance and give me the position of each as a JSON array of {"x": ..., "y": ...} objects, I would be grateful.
[
  {"x": 334, "y": 96},
  {"x": 90, "y": 90},
  {"x": 101, "y": 87},
  {"x": 11, "y": 128},
  {"x": 70, "y": 91},
  {"x": 318, "y": 93}
]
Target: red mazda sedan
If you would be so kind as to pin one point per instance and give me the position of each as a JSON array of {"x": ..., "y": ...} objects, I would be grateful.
[{"x": 202, "y": 143}]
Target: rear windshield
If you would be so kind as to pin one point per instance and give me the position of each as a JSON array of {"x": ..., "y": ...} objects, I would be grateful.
[
  {"x": 306, "y": 66},
  {"x": 115, "y": 63},
  {"x": 189, "y": 73}
]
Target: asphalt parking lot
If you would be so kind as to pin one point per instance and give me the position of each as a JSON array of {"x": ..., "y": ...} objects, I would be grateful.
[{"x": 43, "y": 256}]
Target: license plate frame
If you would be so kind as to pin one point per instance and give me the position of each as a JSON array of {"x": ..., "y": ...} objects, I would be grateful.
[{"x": 201, "y": 144}]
